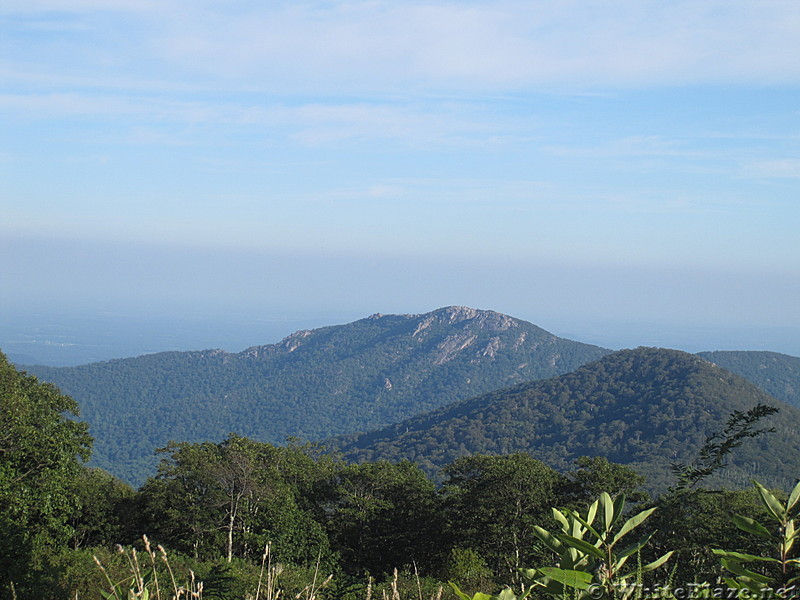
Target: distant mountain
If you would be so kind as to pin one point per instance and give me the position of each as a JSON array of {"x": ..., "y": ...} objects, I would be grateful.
[
  {"x": 777, "y": 374},
  {"x": 646, "y": 408},
  {"x": 22, "y": 359},
  {"x": 313, "y": 384}
]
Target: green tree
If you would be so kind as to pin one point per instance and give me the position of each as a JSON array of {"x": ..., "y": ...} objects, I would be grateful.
[
  {"x": 101, "y": 505},
  {"x": 595, "y": 475},
  {"x": 229, "y": 499},
  {"x": 492, "y": 504},
  {"x": 385, "y": 516},
  {"x": 41, "y": 452},
  {"x": 179, "y": 506},
  {"x": 692, "y": 519}
]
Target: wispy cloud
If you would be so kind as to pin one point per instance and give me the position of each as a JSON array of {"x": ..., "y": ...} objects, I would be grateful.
[
  {"x": 786, "y": 168},
  {"x": 377, "y": 45},
  {"x": 494, "y": 45},
  {"x": 33, "y": 7},
  {"x": 603, "y": 132},
  {"x": 311, "y": 124},
  {"x": 633, "y": 146}
]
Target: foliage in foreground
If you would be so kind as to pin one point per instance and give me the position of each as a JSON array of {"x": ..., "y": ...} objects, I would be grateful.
[
  {"x": 41, "y": 450},
  {"x": 214, "y": 506},
  {"x": 780, "y": 571},
  {"x": 588, "y": 549},
  {"x": 590, "y": 565}
]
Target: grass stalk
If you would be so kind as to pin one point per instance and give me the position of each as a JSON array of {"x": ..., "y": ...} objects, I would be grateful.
[{"x": 152, "y": 556}]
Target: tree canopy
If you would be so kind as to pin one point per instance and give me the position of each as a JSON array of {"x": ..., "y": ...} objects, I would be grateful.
[{"x": 42, "y": 448}]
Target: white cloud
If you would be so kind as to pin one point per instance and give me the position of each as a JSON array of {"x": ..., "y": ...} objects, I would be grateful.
[
  {"x": 311, "y": 124},
  {"x": 403, "y": 46},
  {"x": 634, "y": 146},
  {"x": 33, "y": 7},
  {"x": 787, "y": 168},
  {"x": 492, "y": 45}
]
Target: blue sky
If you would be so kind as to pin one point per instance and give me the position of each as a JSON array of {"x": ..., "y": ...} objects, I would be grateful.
[{"x": 627, "y": 168}]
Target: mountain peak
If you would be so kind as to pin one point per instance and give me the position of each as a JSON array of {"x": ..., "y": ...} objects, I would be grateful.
[
  {"x": 455, "y": 314},
  {"x": 315, "y": 383},
  {"x": 481, "y": 319}
]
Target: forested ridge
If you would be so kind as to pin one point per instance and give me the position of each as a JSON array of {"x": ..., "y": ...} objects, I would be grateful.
[
  {"x": 213, "y": 507},
  {"x": 353, "y": 377},
  {"x": 646, "y": 407},
  {"x": 775, "y": 373}
]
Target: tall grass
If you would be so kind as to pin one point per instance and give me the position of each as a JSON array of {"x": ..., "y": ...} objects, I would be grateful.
[{"x": 143, "y": 582}]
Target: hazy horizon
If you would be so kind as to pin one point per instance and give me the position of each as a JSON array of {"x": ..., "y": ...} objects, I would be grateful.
[
  {"x": 70, "y": 339},
  {"x": 621, "y": 173}
]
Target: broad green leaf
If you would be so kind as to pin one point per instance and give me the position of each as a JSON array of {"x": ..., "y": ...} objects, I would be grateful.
[
  {"x": 633, "y": 523},
  {"x": 619, "y": 507},
  {"x": 583, "y": 522},
  {"x": 591, "y": 513},
  {"x": 793, "y": 503},
  {"x": 744, "y": 583},
  {"x": 772, "y": 504},
  {"x": 744, "y": 574},
  {"x": 463, "y": 596},
  {"x": 581, "y": 565},
  {"x": 790, "y": 530},
  {"x": 607, "y": 504},
  {"x": 571, "y": 558},
  {"x": 562, "y": 520},
  {"x": 550, "y": 586},
  {"x": 458, "y": 591},
  {"x": 741, "y": 556},
  {"x": 732, "y": 583},
  {"x": 549, "y": 540},
  {"x": 576, "y": 579},
  {"x": 619, "y": 563},
  {"x": 508, "y": 594},
  {"x": 789, "y": 536},
  {"x": 543, "y": 583},
  {"x": 792, "y": 506},
  {"x": 575, "y": 528},
  {"x": 582, "y": 546},
  {"x": 636, "y": 546},
  {"x": 648, "y": 567},
  {"x": 658, "y": 562},
  {"x": 751, "y": 526}
]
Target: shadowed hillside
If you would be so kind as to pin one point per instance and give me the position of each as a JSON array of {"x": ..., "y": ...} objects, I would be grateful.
[
  {"x": 775, "y": 373},
  {"x": 646, "y": 408}
]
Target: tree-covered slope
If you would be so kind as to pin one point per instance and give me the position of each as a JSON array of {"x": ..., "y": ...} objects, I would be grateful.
[
  {"x": 313, "y": 384},
  {"x": 647, "y": 408},
  {"x": 41, "y": 453},
  {"x": 777, "y": 374}
]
